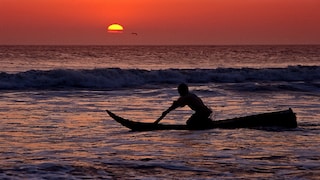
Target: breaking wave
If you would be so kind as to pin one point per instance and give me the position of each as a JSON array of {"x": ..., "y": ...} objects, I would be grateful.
[{"x": 115, "y": 78}]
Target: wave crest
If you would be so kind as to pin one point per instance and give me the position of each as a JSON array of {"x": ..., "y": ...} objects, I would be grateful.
[{"x": 114, "y": 78}]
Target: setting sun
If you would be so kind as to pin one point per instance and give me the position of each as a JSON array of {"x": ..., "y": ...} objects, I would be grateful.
[
  {"x": 115, "y": 28},
  {"x": 159, "y": 22}
]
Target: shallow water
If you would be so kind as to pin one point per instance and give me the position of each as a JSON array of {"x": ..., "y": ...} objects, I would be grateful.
[
  {"x": 67, "y": 134},
  {"x": 54, "y": 125}
]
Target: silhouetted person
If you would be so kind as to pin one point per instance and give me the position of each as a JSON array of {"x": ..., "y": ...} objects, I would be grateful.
[{"x": 200, "y": 119}]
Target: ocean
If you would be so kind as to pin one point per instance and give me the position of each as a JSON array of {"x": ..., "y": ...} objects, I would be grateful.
[{"x": 54, "y": 125}]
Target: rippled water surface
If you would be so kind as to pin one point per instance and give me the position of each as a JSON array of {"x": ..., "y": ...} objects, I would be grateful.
[
  {"x": 67, "y": 134},
  {"x": 54, "y": 125}
]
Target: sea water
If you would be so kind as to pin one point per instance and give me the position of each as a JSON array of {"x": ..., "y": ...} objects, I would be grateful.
[{"x": 54, "y": 125}]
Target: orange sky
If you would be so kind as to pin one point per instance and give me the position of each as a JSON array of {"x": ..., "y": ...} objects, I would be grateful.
[{"x": 215, "y": 22}]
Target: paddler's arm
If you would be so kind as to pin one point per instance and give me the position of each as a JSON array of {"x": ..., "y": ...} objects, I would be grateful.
[{"x": 174, "y": 105}]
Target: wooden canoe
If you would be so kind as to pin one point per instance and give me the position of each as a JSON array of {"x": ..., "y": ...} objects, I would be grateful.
[{"x": 281, "y": 119}]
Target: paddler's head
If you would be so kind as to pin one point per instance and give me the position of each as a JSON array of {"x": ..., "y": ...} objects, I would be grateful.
[{"x": 183, "y": 89}]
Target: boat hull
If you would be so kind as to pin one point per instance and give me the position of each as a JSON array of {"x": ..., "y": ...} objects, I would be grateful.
[{"x": 281, "y": 119}]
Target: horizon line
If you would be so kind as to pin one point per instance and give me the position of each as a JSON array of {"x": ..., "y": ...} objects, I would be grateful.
[{"x": 297, "y": 44}]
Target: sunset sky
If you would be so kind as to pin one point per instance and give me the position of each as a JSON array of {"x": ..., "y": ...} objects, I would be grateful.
[{"x": 159, "y": 22}]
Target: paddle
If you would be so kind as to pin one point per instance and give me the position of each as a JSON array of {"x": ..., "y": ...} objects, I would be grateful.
[{"x": 160, "y": 118}]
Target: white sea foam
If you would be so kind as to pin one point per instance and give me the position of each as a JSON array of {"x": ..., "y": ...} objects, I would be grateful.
[{"x": 301, "y": 78}]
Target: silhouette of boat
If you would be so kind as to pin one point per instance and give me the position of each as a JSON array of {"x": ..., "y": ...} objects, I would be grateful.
[{"x": 279, "y": 119}]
